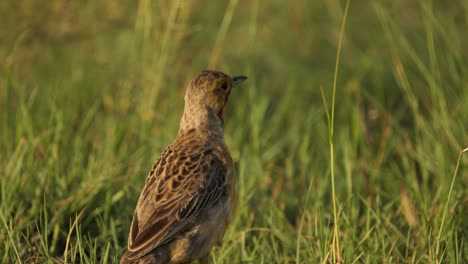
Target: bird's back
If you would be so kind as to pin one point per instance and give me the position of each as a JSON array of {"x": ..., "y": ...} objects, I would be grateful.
[{"x": 185, "y": 200}]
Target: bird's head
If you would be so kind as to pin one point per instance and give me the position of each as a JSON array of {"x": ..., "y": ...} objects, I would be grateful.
[{"x": 210, "y": 91}]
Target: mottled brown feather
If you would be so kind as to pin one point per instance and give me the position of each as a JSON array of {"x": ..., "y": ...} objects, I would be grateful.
[{"x": 175, "y": 191}]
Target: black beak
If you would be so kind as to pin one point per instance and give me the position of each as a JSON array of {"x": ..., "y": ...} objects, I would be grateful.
[{"x": 238, "y": 79}]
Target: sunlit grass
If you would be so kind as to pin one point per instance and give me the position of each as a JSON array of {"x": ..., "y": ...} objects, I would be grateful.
[{"x": 90, "y": 94}]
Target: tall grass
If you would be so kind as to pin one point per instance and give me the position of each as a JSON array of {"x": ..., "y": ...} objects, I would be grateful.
[
  {"x": 91, "y": 92},
  {"x": 336, "y": 250}
]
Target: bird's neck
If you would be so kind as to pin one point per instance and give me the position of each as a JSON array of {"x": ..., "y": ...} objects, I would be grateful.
[{"x": 203, "y": 120}]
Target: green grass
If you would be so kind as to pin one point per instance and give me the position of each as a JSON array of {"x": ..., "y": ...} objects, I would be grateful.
[{"x": 91, "y": 93}]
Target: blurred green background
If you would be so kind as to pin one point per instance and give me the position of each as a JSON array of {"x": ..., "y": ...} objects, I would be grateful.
[{"x": 92, "y": 91}]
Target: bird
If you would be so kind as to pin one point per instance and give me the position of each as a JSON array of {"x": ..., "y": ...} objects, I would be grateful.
[{"x": 188, "y": 199}]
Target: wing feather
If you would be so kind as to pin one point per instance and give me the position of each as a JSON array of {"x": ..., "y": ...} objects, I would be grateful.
[{"x": 181, "y": 184}]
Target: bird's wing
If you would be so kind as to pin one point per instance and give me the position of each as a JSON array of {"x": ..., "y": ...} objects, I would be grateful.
[{"x": 179, "y": 186}]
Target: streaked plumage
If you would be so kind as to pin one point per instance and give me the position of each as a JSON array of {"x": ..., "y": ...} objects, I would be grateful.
[{"x": 187, "y": 201}]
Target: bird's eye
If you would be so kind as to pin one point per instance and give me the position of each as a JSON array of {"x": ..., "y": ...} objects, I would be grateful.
[{"x": 224, "y": 86}]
